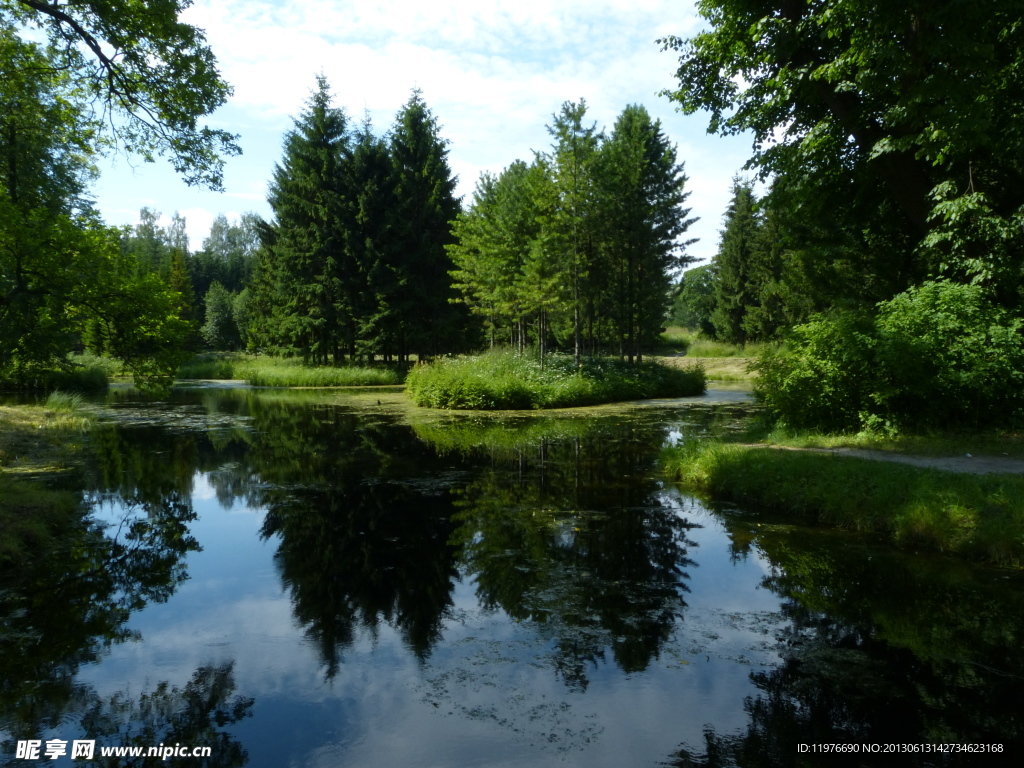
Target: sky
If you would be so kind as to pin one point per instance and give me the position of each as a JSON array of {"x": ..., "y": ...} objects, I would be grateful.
[{"x": 492, "y": 72}]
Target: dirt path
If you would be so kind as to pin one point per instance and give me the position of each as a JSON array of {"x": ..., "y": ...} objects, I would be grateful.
[{"x": 966, "y": 464}]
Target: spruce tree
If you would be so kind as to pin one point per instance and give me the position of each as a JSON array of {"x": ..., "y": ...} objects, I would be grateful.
[
  {"x": 306, "y": 195},
  {"x": 571, "y": 229},
  {"x": 372, "y": 278},
  {"x": 741, "y": 239},
  {"x": 422, "y": 317}
]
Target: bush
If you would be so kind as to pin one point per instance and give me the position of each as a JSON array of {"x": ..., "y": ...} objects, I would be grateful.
[
  {"x": 938, "y": 355},
  {"x": 502, "y": 379}
]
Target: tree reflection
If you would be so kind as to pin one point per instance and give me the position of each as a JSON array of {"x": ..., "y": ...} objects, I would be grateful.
[
  {"x": 195, "y": 715},
  {"x": 881, "y": 647},
  {"x": 362, "y": 512},
  {"x": 567, "y": 532},
  {"x": 68, "y": 604}
]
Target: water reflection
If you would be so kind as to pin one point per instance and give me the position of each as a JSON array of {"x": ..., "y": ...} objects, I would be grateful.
[
  {"x": 537, "y": 537},
  {"x": 880, "y": 647},
  {"x": 508, "y": 578},
  {"x": 68, "y": 604}
]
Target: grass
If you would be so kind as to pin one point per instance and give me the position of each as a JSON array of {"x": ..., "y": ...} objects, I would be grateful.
[
  {"x": 283, "y": 372},
  {"x": 994, "y": 443},
  {"x": 502, "y": 379},
  {"x": 975, "y": 516},
  {"x": 37, "y": 443},
  {"x": 693, "y": 344}
]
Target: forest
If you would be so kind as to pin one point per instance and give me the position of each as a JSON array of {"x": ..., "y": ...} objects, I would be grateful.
[{"x": 873, "y": 239}]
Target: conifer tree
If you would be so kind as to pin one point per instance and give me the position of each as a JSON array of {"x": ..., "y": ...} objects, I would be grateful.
[
  {"x": 641, "y": 194},
  {"x": 422, "y": 317},
  {"x": 372, "y": 277},
  {"x": 571, "y": 229},
  {"x": 306, "y": 195},
  {"x": 741, "y": 239}
]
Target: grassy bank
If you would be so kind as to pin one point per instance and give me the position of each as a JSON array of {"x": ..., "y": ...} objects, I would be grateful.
[
  {"x": 975, "y": 516},
  {"x": 992, "y": 443},
  {"x": 37, "y": 443},
  {"x": 89, "y": 376},
  {"x": 503, "y": 379},
  {"x": 281, "y": 372}
]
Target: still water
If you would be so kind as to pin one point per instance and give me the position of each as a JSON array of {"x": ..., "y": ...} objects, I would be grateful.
[{"x": 328, "y": 579}]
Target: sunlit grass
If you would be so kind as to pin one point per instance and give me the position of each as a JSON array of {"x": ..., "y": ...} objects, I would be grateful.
[
  {"x": 280, "y": 372},
  {"x": 503, "y": 379},
  {"x": 977, "y": 516}
]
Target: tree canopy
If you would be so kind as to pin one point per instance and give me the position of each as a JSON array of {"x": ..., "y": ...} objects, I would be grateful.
[
  {"x": 906, "y": 112},
  {"x": 149, "y": 77}
]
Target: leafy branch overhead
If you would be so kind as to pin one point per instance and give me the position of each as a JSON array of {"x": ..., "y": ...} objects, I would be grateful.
[
  {"x": 913, "y": 105},
  {"x": 149, "y": 76}
]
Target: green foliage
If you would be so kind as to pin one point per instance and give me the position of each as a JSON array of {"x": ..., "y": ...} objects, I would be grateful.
[
  {"x": 504, "y": 379},
  {"x": 733, "y": 265},
  {"x": 425, "y": 319},
  {"x": 577, "y": 249},
  {"x": 640, "y": 196},
  {"x": 939, "y": 355},
  {"x": 150, "y": 76},
  {"x": 277, "y": 372},
  {"x": 694, "y": 300},
  {"x": 62, "y": 273},
  {"x": 892, "y": 129},
  {"x": 354, "y": 262},
  {"x": 220, "y": 330},
  {"x": 971, "y": 515}
]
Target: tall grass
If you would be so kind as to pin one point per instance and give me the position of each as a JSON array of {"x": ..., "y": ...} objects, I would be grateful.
[
  {"x": 976, "y": 516},
  {"x": 279, "y": 372},
  {"x": 503, "y": 379},
  {"x": 694, "y": 344},
  {"x": 64, "y": 401}
]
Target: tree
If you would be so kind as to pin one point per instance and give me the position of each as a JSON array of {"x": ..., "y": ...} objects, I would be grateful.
[
  {"x": 640, "y": 188},
  {"x": 61, "y": 271},
  {"x": 423, "y": 318},
  {"x": 735, "y": 292},
  {"x": 695, "y": 300},
  {"x": 503, "y": 270},
  {"x": 913, "y": 107},
  {"x": 306, "y": 195},
  {"x": 220, "y": 331},
  {"x": 572, "y": 227},
  {"x": 148, "y": 76}
]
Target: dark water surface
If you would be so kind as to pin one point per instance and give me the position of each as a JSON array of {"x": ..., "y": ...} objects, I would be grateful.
[{"x": 324, "y": 579}]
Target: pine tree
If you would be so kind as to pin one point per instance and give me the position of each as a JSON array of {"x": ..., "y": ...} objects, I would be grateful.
[
  {"x": 571, "y": 229},
  {"x": 306, "y": 195},
  {"x": 741, "y": 239},
  {"x": 641, "y": 196},
  {"x": 422, "y": 317},
  {"x": 372, "y": 277}
]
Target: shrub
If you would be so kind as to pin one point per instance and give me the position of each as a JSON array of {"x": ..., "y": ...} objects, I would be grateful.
[
  {"x": 938, "y": 355},
  {"x": 502, "y": 379}
]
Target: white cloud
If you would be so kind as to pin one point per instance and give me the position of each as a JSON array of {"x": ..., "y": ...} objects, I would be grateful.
[{"x": 493, "y": 73}]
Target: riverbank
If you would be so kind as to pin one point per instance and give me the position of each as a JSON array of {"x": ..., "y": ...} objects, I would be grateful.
[
  {"x": 37, "y": 444},
  {"x": 975, "y": 516}
]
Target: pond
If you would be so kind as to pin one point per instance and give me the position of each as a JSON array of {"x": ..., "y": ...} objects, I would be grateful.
[{"x": 340, "y": 579}]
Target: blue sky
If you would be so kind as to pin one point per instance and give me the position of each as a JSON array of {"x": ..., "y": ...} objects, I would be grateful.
[{"x": 492, "y": 72}]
